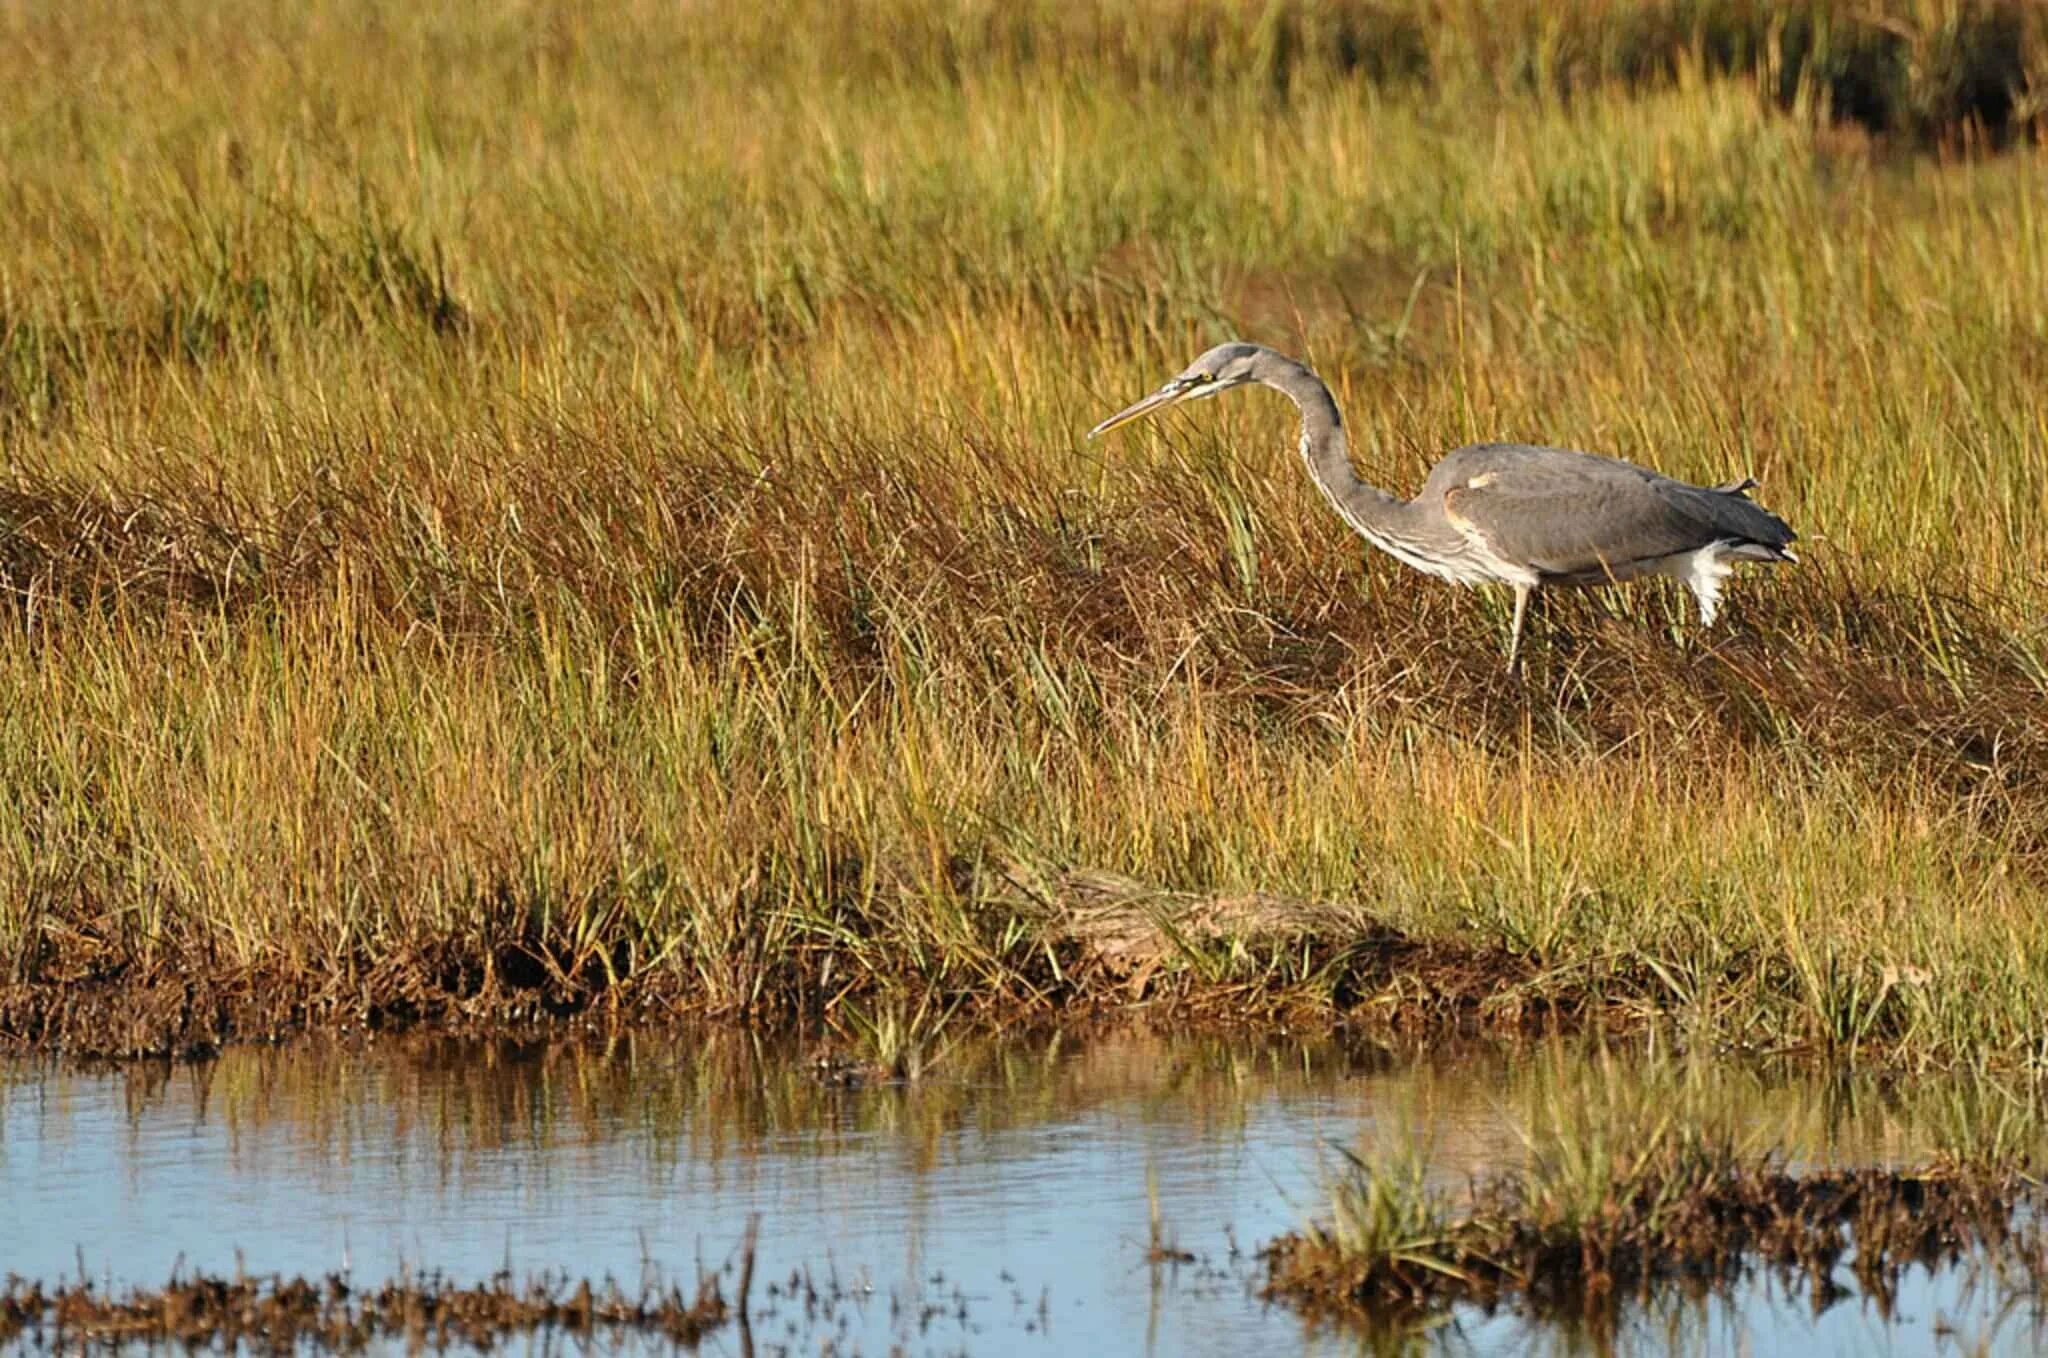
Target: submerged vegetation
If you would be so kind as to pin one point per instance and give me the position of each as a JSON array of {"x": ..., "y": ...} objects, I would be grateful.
[{"x": 501, "y": 514}]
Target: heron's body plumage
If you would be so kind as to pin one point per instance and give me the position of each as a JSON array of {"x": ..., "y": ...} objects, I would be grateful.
[{"x": 1575, "y": 518}]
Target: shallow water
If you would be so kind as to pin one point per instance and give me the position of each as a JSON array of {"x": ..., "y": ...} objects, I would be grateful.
[{"x": 1002, "y": 1205}]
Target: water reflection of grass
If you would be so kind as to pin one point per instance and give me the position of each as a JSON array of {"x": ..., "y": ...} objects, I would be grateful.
[
  {"x": 1653, "y": 1173},
  {"x": 489, "y": 528},
  {"x": 719, "y": 1094}
]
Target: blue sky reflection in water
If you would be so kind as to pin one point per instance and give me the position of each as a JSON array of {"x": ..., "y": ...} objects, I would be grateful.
[{"x": 1015, "y": 1181}]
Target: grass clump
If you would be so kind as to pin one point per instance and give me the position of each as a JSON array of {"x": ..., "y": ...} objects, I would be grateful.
[
  {"x": 1632, "y": 1180},
  {"x": 891, "y": 1041}
]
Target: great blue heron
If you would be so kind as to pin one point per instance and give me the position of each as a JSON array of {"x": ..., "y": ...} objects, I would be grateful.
[{"x": 1508, "y": 512}]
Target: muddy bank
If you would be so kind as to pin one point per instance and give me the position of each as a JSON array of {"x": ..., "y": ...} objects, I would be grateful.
[
  {"x": 1105, "y": 947},
  {"x": 290, "y": 1315}
]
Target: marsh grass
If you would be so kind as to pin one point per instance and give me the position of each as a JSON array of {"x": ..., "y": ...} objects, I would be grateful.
[
  {"x": 1649, "y": 1174},
  {"x": 508, "y": 514}
]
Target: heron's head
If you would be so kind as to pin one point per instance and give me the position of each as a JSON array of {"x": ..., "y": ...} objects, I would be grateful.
[{"x": 1225, "y": 366}]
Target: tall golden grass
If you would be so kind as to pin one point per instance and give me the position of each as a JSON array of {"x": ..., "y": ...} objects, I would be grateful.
[{"x": 548, "y": 503}]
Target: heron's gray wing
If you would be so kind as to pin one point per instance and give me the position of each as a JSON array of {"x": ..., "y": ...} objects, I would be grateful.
[{"x": 1575, "y": 515}]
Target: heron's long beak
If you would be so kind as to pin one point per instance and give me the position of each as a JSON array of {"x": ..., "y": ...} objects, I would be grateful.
[{"x": 1159, "y": 399}]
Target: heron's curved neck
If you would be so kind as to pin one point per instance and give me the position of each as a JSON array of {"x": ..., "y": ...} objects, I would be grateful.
[{"x": 1366, "y": 507}]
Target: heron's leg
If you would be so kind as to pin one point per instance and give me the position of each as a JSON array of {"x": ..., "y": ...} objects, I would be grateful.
[{"x": 1522, "y": 593}]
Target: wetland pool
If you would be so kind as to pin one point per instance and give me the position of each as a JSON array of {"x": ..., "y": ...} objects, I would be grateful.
[{"x": 1003, "y": 1204}]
